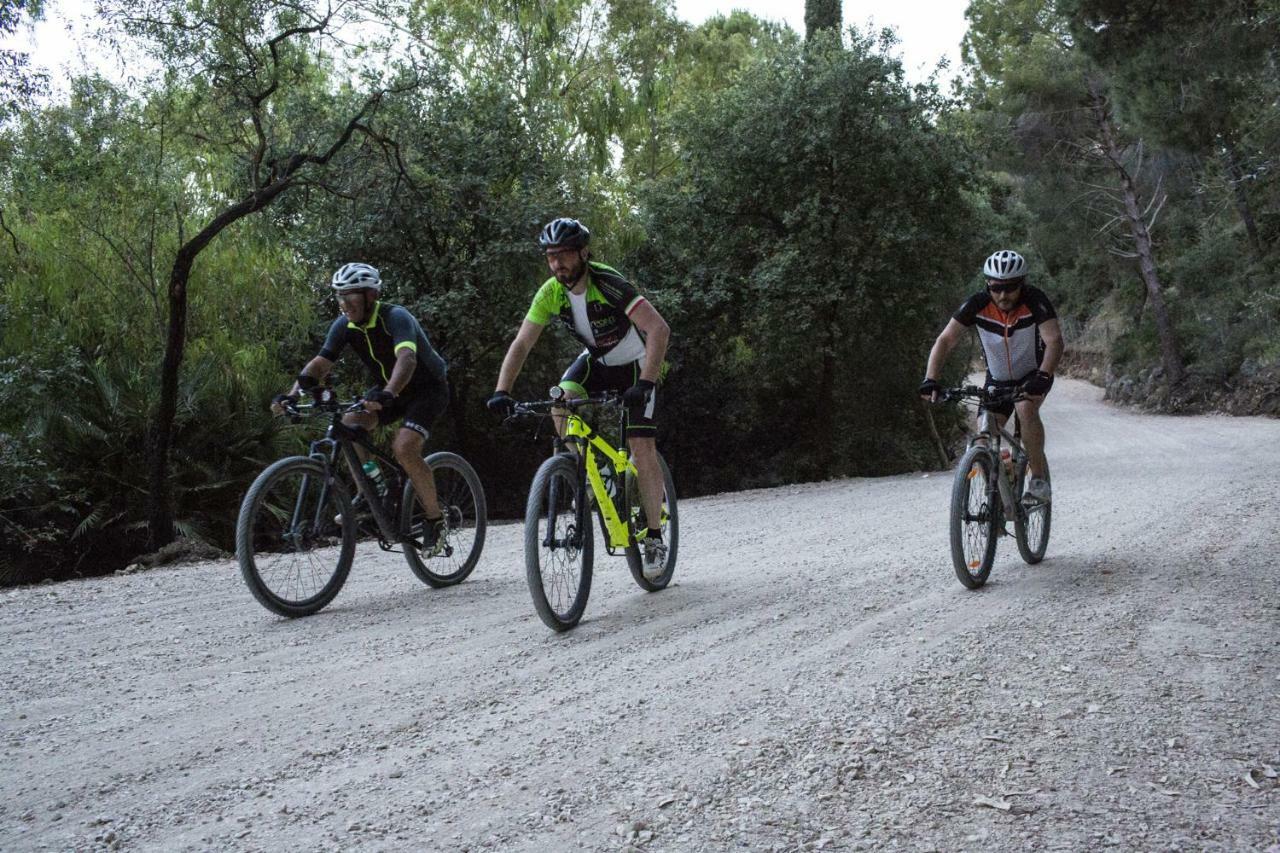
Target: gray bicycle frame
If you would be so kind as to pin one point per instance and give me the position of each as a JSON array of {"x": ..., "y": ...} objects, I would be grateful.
[{"x": 990, "y": 435}]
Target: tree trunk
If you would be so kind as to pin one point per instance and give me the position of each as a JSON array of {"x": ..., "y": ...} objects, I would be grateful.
[
  {"x": 1236, "y": 176},
  {"x": 1143, "y": 246},
  {"x": 160, "y": 433},
  {"x": 159, "y": 507}
]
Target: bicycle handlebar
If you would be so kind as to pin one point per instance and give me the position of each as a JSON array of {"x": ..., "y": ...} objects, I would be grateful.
[
  {"x": 537, "y": 407},
  {"x": 296, "y": 411},
  {"x": 985, "y": 396}
]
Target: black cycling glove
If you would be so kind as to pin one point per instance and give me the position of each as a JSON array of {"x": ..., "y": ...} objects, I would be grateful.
[
  {"x": 928, "y": 388},
  {"x": 1038, "y": 384},
  {"x": 638, "y": 394},
  {"x": 381, "y": 396},
  {"x": 501, "y": 404},
  {"x": 285, "y": 400}
]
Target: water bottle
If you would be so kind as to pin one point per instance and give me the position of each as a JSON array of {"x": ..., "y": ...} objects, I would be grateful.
[
  {"x": 1007, "y": 458},
  {"x": 374, "y": 473}
]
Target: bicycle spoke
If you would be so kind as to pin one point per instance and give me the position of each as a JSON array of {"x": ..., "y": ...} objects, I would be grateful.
[{"x": 292, "y": 551}]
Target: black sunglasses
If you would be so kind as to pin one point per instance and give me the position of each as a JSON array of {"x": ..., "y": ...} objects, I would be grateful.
[{"x": 1004, "y": 287}]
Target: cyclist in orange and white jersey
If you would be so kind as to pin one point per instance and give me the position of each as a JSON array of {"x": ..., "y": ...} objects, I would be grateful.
[{"x": 1022, "y": 344}]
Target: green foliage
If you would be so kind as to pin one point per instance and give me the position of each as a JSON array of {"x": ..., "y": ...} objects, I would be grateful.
[
  {"x": 821, "y": 15},
  {"x": 18, "y": 83},
  {"x": 75, "y": 443},
  {"x": 805, "y": 252}
]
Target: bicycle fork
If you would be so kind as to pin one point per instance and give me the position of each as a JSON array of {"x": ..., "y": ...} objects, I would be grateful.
[{"x": 553, "y": 501}]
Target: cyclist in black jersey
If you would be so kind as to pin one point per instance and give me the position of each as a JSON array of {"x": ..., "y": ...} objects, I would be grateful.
[
  {"x": 626, "y": 341},
  {"x": 1021, "y": 342},
  {"x": 411, "y": 377}
]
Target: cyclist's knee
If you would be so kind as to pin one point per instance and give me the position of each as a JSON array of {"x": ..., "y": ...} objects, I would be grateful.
[
  {"x": 1029, "y": 410},
  {"x": 642, "y": 447},
  {"x": 407, "y": 447}
]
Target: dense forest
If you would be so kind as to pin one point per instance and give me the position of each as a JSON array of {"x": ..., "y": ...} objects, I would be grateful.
[{"x": 803, "y": 217}]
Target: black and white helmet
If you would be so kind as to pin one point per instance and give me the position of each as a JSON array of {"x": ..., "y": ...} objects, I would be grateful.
[
  {"x": 1004, "y": 265},
  {"x": 356, "y": 277},
  {"x": 564, "y": 233}
]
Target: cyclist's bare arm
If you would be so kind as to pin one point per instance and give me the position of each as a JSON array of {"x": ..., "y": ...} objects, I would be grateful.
[
  {"x": 317, "y": 368},
  {"x": 942, "y": 348},
  {"x": 1051, "y": 334},
  {"x": 516, "y": 355},
  {"x": 656, "y": 335}
]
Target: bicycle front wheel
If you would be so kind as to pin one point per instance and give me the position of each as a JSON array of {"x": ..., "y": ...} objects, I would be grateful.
[
  {"x": 670, "y": 530},
  {"x": 466, "y": 514},
  {"x": 557, "y": 551},
  {"x": 1031, "y": 527},
  {"x": 974, "y": 515},
  {"x": 295, "y": 537}
]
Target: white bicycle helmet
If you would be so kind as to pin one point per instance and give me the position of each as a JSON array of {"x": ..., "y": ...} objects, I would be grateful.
[
  {"x": 356, "y": 276},
  {"x": 1004, "y": 265}
]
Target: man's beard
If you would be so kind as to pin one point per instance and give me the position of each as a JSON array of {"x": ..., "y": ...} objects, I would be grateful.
[{"x": 573, "y": 274}]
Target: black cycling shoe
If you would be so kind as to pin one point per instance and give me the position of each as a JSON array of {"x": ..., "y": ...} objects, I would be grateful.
[{"x": 429, "y": 535}]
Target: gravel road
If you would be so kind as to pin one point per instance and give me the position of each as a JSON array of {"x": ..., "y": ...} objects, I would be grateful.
[{"x": 816, "y": 678}]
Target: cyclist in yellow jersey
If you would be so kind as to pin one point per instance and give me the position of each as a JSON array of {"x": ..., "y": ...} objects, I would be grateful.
[{"x": 626, "y": 341}]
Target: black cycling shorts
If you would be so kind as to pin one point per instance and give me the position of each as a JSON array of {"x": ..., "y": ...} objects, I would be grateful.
[
  {"x": 1006, "y": 409},
  {"x": 587, "y": 376},
  {"x": 418, "y": 406}
]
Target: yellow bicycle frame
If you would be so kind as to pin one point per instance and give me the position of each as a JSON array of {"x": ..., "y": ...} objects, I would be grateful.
[{"x": 590, "y": 443}]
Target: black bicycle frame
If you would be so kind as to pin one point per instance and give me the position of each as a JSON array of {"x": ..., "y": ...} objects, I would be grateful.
[{"x": 341, "y": 440}]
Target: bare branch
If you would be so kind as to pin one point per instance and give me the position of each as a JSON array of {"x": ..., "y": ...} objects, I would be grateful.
[
  {"x": 17, "y": 249},
  {"x": 1151, "y": 223}
]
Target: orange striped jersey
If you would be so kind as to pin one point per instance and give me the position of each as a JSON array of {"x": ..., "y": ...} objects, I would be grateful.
[{"x": 1011, "y": 341}]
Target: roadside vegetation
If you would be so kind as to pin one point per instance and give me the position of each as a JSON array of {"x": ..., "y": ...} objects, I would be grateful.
[{"x": 803, "y": 216}]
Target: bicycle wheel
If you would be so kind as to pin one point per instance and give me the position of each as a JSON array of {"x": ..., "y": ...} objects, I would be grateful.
[
  {"x": 670, "y": 530},
  {"x": 974, "y": 515},
  {"x": 1031, "y": 527},
  {"x": 557, "y": 554},
  {"x": 465, "y": 516},
  {"x": 295, "y": 537}
]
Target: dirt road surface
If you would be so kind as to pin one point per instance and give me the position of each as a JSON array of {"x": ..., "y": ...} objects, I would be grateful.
[{"x": 815, "y": 679}]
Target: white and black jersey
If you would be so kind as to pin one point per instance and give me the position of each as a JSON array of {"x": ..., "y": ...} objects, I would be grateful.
[{"x": 1011, "y": 341}]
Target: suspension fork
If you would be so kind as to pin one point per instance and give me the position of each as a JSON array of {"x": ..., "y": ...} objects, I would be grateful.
[{"x": 324, "y": 452}]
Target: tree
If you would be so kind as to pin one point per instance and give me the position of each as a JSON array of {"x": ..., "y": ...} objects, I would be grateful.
[
  {"x": 18, "y": 83},
  {"x": 821, "y": 15},
  {"x": 1198, "y": 75},
  {"x": 244, "y": 81},
  {"x": 1058, "y": 105},
  {"x": 804, "y": 248}
]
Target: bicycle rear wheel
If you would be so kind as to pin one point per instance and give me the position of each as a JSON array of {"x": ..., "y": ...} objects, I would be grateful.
[
  {"x": 1031, "y": 527},
  {"x": 557, "y": 552},
  {"x": 670, "y": 530},
  {"x": 295, "y": 537},
  {"x": 462, "y": 501},
  {"x": 974, "y": 515}
]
